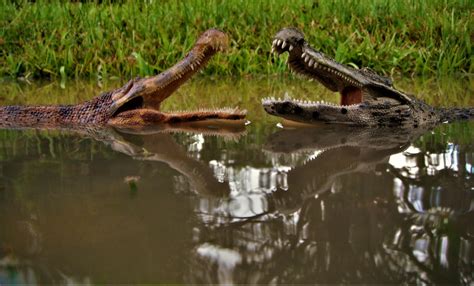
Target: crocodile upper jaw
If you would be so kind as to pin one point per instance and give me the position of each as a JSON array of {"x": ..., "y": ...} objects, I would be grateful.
[{"x": 152, "y": 91}]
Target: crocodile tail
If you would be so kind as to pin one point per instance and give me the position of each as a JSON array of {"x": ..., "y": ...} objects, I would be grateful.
[{"x": 456, "y": 113}]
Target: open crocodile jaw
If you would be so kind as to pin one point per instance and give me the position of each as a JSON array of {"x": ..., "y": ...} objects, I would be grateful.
[
  {"x": 361, "y": 91},
  {"x": 138, "y": 102}
]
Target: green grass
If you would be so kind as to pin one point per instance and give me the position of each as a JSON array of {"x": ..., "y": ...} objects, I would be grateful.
[{"x": 54, "y": 39}]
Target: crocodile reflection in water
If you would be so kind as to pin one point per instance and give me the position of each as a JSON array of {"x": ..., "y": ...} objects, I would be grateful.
[
  {"x": 158, "y": 145},
  {"x": 337, "y": 228},
  {"x": 330, "y": 217}
]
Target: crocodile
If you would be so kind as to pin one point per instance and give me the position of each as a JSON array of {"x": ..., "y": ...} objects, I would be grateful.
[
  {"x": 366, "y": 98},
  {"x": 137, "y": 103}
]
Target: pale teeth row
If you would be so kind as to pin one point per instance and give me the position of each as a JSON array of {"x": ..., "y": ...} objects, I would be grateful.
[
  {"x": 269, "y": 100},
  {"x": 281, "y": 44},
  {"x": 217, "y": 46},
  {"x": 298, "y": 101},
  {"x": 196, "y": 65},
  {"x": 313, "y": 64},
  {"x": 272, "y": 99},
  {"x": 232, "y": 110}
]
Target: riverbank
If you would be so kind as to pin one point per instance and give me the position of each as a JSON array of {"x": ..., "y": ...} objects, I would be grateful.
[{"x": 87, "y": 40}]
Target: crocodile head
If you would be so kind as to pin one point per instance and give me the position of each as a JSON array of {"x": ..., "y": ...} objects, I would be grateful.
[
  {"x": 138, "y": 102},
  {"x": 366, "y": 98}
]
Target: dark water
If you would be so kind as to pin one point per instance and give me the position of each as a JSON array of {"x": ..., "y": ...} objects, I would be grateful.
[{"x": 259, "y": 204}]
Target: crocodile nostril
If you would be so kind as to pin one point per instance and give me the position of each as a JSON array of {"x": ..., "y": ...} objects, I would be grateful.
[{"x": 270, "y": 109}]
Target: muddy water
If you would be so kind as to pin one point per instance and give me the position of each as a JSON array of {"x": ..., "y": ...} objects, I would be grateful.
[{"x": 259, "y": 204}]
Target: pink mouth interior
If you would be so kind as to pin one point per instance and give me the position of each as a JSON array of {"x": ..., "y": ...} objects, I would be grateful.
[{"x": 351, "y": 95}]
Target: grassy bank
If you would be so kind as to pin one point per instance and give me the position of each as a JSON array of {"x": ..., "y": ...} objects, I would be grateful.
[{"x": 53, "y": 39}]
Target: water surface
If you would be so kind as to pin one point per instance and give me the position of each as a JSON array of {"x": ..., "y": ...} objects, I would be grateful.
[{"x": 259, "y": 204}]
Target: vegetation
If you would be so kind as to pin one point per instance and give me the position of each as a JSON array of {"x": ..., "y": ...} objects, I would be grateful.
[{"x": 54, "y": 39}]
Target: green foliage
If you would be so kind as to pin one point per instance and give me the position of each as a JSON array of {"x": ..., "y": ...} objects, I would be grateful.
[{"x": 53, "y": 39}]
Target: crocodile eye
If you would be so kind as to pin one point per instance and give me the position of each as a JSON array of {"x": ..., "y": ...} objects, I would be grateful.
[{"x": 343, "y": 110}]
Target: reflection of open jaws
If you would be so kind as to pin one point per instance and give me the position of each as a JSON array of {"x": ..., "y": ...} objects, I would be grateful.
[{"x": 159, "y": 145}]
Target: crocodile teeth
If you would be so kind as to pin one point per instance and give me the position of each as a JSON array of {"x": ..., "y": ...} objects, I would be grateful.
[
  {"x": 279, "y": 42},
  {"x": 273, "y": 50},
  {"x": 290, "y": 48},
  {"x": 311, "y": 62},
  {"x": 303, "y": 55},
  {"x": 275, "y": 42}
]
